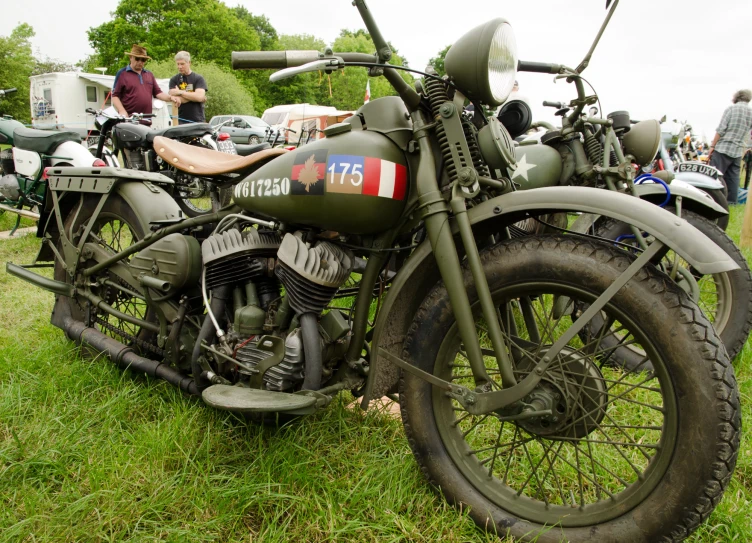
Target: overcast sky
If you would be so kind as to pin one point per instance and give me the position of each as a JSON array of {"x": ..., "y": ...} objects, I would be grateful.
[{"x": 681, "y": 58}]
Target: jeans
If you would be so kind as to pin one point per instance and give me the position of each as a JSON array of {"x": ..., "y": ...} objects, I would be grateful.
[{"x": 729, "y": 167}]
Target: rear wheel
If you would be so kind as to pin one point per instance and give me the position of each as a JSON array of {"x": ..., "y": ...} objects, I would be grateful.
[
  {"x": 114, "y": 229},
  {"x": 196, "y": 196},
  {"x": 609, "y": 461},
  {"x": 253, "y": 140},
  {"x": 725, "y": 298}
]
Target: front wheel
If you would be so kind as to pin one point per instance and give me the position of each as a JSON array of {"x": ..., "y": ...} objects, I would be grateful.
[
  {"x": 619, "y": 456},
  {"x": 253, "y": 140},
  {"x": 725, "y": 298}
]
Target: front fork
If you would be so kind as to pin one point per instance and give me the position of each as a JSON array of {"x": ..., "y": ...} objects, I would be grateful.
[{"x": 435, "y": 214}]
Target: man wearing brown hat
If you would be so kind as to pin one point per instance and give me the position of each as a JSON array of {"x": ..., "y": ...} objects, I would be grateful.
[{"x": 135, "y": 86}]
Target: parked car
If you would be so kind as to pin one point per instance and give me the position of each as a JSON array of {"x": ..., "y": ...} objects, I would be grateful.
[{"x": 244, "y": 128}]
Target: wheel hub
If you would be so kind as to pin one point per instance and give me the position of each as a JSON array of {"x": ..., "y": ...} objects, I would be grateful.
[{"x": 574, "y": 392}]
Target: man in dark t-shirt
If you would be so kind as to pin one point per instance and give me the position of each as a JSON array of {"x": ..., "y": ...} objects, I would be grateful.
[
  {"x": 135, "y": 86},
  {"x": 190, "y": 88}
]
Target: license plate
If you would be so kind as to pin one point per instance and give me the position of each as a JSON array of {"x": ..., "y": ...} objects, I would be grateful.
[
  {"x": 698, "y": 168},
  {"x": 227, "y": 146}
]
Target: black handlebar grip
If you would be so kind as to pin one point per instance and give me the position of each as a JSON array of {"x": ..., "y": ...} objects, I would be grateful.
[
  {"x": 538, "y": 67},
  {"x": 8, "y": 91},
  {"x": 261, "y": 60}
]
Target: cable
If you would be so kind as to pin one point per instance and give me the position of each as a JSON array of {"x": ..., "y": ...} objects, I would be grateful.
[
  {"x": 648, "y": 177},
  {"x": 220, "y": 332},
  {"x": 591, "y": 236},
  {"x": 403, "y": 68}
]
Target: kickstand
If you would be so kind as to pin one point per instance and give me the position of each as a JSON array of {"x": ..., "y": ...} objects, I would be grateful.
[{"x": 15, "y": 227}]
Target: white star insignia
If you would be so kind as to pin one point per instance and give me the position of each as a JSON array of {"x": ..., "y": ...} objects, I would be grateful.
[{"x": 522, "y": 168}]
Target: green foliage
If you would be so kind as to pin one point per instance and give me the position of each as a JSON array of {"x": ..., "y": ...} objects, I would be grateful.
[
  {"x": 349, "y": 86},
  {"x": 49, "y": 65},
  {"x": 207, "y": 29},
  {"x": 266, "y": 32},
  {"x": 226, "y": 94},
  {"x": 438, "y": 61},
  {"x": 16, "y": 64}
]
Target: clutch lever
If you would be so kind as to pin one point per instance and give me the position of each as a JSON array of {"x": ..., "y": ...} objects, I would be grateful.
[{"x": 326, "y": 64}]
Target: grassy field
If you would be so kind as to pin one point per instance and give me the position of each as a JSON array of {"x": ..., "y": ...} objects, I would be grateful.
[{"x": 89, "y": 453}]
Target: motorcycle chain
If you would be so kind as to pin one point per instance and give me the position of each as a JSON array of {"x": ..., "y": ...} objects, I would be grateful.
[{"x": 140, "y": 343}]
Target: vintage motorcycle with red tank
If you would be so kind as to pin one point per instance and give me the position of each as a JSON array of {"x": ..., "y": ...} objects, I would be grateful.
[{"x": 494, "y": 344}]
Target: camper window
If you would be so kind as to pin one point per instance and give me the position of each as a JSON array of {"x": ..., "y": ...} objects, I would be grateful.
[
  {"x": 91, "y": 94},
  {"x": 274, "y": 118},
  {"x": 48, "y": 95}
]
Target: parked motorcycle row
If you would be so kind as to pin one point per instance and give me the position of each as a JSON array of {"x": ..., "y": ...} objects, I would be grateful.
[{"x": 558, "y": 317}]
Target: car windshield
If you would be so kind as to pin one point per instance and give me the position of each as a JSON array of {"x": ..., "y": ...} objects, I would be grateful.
[{"x": 250, "y": 121}]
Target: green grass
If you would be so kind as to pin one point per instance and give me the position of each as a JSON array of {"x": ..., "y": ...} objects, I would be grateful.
[{"x": 90, "y": 453}]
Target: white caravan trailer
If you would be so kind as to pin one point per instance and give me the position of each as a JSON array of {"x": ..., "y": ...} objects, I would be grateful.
[{"x": 59, "y": 101}]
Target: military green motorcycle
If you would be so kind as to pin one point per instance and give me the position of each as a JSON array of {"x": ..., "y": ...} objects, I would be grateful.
[{"x": 495, "y": 345}]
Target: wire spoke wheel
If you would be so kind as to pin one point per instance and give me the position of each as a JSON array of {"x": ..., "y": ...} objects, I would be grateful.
[
  {"x": 116, "y": 234},
  {"x": 116, "y": 228},
  {"x": 603, "y": 444},
  {"x": 592, "y": 449}
]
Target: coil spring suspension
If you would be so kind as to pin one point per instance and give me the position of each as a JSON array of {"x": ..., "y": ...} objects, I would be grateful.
[
  {"x": 471, "y": 134},
  {"x": 437, "y": 95},
  {"x": 593, "y": 148}
]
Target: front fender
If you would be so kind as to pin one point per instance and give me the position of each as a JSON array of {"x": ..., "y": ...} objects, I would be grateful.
[
  {"x": 693, "y": 198},
  {"x": 420, "y": 273}
]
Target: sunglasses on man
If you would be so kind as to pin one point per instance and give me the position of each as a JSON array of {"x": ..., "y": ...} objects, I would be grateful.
[{"x": 140, "y": 59}]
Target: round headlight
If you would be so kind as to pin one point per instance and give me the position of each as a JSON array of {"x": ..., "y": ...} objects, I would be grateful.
[
  {"x": 483, "y": 62},
  {"x": 502, "y": 62}
]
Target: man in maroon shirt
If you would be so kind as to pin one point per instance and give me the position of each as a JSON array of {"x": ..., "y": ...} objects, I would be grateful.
[{"x": 135, "y": 86}]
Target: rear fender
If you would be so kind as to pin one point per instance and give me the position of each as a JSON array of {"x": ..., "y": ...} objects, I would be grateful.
[
  {"x": 70, "y": 153},
  {"x": 693, "y": 198},
  {"x": 699, "y": 180},
  {"x": 419, "y": 273},
  {"x": 149, "y": 202}
]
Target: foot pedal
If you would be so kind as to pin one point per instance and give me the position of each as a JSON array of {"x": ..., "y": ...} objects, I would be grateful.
[{"x": 251, "y": 400}]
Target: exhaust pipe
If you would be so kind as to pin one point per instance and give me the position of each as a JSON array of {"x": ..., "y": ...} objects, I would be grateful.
[{"x": 124, "y": 356}]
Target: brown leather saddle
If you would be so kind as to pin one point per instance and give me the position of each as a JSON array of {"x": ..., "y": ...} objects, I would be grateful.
[{"x": 208, "y": 162}]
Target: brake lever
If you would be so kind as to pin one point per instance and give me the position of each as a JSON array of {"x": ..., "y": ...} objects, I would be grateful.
[{"x": 326, "y": 64}]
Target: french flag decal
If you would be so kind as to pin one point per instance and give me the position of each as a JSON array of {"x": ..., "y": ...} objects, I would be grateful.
[
  {"x": 384, "y": 178},
  {"x": 354, "y": 174}
]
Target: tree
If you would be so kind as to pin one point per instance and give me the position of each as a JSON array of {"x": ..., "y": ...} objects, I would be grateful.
[
  {"x": 16, "y": 64},
  {"x": 266, "y": 32},
  {"x": 226, "y": 94},
  {"x": 349, "y": 86},
  {"x": 207, "y": 29},
  {"x": 438, "y": 61},
  {"x": 49, "y": 65}
]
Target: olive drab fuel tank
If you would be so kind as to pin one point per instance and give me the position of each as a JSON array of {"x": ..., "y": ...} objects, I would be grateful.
[
  {"x": 355, "y": 180},
  {"x": 538, "y": 166}
]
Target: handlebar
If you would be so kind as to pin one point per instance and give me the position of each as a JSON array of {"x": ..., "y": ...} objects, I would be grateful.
[
  {"x": 557, "y": 105},
  {"x": 264, "y": 60},
  {"x": 133, "y": 117},
  {"x": 8, "y": 91},
  {"x": 260, "y": 60},
  {"x": 539, "y": 67}
]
